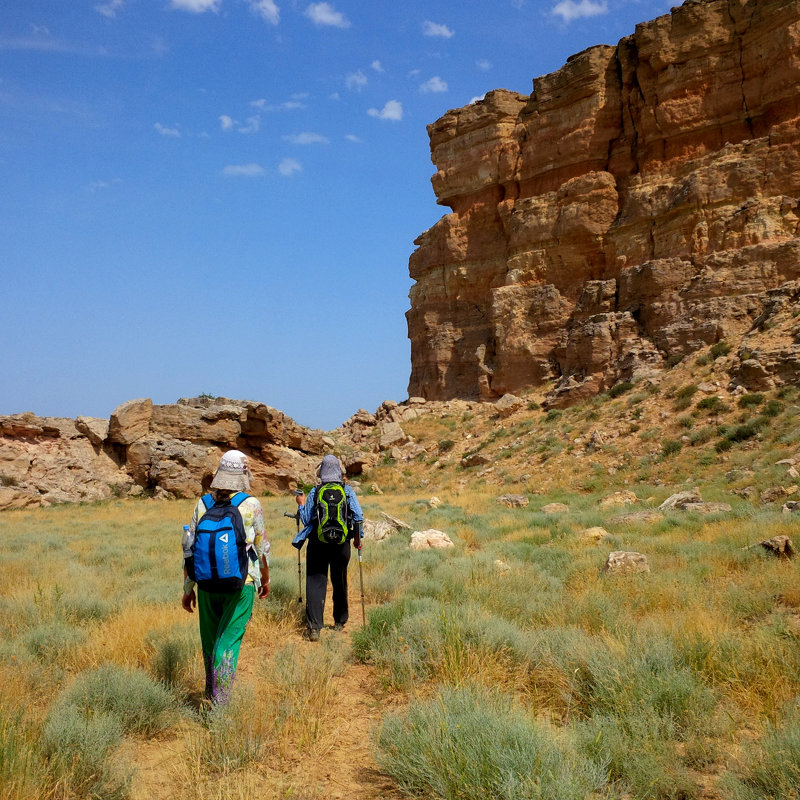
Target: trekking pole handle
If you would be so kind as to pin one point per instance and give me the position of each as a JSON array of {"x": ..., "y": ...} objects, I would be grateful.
[{"x": 291, "y": 516}]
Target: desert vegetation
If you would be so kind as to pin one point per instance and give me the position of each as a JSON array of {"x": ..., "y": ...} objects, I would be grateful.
[{"x": 510, "y": 665}]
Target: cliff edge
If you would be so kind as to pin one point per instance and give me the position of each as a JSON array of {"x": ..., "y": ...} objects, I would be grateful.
[{"x": 640, "y": 204}]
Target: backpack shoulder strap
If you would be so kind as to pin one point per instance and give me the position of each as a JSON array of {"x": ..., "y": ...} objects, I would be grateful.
[
  {"x": 208, "y": 501},
  {"x": 239, "y": 498}
]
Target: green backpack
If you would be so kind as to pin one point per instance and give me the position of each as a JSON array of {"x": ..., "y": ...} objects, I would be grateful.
[{"x": 333, "y": 513}]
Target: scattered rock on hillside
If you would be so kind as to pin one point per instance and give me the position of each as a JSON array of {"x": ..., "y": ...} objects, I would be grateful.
[
  {"x": 395, "y": 523},
  {"x": 623, "y": 498},
  {"x": 475, "y": 460},
  {"x": 680, "y": 499},
  {"x": 508, "y": 404},
  {"x": 781, "y": 546},
  {"x": 790, "y": 507},
  {"x": 430, "y": 539},
  {"x": 622, "y": 562},
  {"x": 708, "y": 508},
  {"x": 773, "y": 493},
  {"x": 376, "y": 530},
  {"x": 513, "y": 500},
  {"x": 636, "y": 517},
  {"x": 392, "y": 435},
  {"x": 375, "y": 489},
  {"x": 555, "y": 508},
  {"x": 597, "y": 533},
  {"x": 434, "y": 502}
]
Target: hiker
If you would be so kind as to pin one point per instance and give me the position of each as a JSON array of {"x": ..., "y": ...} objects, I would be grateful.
[
  {"x": 225, "y": 602},
  {"x": 323, "y": 555}
]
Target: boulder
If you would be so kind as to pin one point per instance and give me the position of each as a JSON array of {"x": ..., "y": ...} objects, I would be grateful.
[
  {"x": 392, "y": 435},
  {"x": 639, "y": 517},
  {"x": 94, "y": 429},
  {"x": 475, "y": 460},
  {"x": 513, "y": 500},
  {"x": 130, "y": 421},
  {"x": 681, "y": 499},
  {"x": 395, "y": 522},
  {"x": 555, "y": 508},
  {"x": 376, "y": 530},
  {"x": 508, "y": 404},
  {"x": 430, "y": 539},
  {"x": 596, "y": 533},
  {"x": 623, "y": 498},
  {"x": 622, "y": 562},
  {"x": 780, "y": 546},
  {"x": 708, "y": 508}
]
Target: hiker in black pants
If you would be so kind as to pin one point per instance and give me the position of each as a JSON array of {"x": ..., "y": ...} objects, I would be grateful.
[{"x": 331, "y": 553}]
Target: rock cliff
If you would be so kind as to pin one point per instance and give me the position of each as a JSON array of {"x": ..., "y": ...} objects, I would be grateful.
[
  {"x": 640, "y": 204},
  {"x": 171, "y": 451}
]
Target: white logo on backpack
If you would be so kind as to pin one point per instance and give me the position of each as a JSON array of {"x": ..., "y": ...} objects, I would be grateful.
[{"x": 224, "y": 538}]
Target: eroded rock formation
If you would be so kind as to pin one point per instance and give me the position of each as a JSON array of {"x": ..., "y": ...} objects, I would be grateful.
[{"x": 641, "y": 203}]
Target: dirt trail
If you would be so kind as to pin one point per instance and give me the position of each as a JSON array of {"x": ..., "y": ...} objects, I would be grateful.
[{"x": 343, "y": 765}]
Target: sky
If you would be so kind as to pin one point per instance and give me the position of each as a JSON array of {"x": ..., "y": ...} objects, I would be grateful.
[{"x": 221, "y": 196}]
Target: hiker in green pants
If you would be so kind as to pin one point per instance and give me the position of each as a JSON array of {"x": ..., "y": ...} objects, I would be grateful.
[{"x": 226, "y": 554}]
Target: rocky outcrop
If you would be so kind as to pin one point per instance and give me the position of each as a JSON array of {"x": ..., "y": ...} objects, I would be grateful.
[
  {"x": 172, "y": 449},
  {"x": 640, "y": 204}
]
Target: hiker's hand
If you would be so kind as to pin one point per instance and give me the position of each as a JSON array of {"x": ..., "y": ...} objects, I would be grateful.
[
  {"x": 263, "y": 591},
  {"x": 189, "y": 602},
  {"x": 300, "y": 499}
]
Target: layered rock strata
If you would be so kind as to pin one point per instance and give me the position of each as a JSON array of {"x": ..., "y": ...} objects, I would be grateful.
[
  {"x": 172, "y": 450},
  {"x": 641, "y": 203}
]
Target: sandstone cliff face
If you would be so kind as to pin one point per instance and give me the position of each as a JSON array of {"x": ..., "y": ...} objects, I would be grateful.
[{"x": 641, "y": 203}]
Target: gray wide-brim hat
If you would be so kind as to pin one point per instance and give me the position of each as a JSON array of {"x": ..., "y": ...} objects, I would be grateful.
[
  {"x": 232, "y": 473},
  {"x": 330, "y": 469}
]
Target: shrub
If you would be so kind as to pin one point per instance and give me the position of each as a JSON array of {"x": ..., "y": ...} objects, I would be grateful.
[
  {"x": 446, "y": 444},
  {"x": 52, "y": 642},
  {"x": 620, "y": 388},
  {"x": 553, "y": 414},
  {"x": 141, "y": 704},
  {"x": 721, "y": 348},
  {"x": 173, "y": 652},
  {"x": 751, "y": 400},
  {"x": 475, "y": 745},
  {"x": 670, "y": 447},
  {"x": 20, "y": 769},
  {"x": 686, "y": 392},
  {"x": 772, "y": 768},
  {"x": 712, "y": 404},
  {"x": 79, "y": 747},
  {"x": 772, "y": 408}
]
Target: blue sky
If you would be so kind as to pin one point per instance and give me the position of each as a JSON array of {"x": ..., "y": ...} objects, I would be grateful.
[{"x": 221, "y": 196}]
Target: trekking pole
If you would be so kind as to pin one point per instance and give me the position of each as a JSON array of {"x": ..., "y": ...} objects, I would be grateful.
[
  {"x": 296, "y": 518},
  {"x": 360, "y": 574}
]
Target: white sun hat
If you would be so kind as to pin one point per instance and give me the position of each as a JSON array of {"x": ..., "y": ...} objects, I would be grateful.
[{"x": 232, "y": 472}]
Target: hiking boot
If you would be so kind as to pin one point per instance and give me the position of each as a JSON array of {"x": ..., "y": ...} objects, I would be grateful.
[
  {"x": 313, "y": 635},
  {"x": 339, "y": 626}
]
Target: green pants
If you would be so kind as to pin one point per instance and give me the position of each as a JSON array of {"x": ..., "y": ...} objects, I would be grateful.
[{"x": 223, "y": 621}]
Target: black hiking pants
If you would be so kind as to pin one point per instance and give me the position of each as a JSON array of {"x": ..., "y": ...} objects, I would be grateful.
[{"x": 320, "y": 557}]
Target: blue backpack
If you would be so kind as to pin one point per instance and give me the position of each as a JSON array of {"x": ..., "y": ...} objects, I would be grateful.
[{"x": 219, "y": 554}]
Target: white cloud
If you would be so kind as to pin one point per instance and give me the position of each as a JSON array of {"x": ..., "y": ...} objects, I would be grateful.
[
  {"x": 307, "y": 137},
  {"x": 334, "y": 96},
  {"x": 196, "y": 6},
  {"x": 435, "y": 29},
  {"x": 434, "y": 86},
  {"x": 325, "y": 14},
  {"x": 109, "y": 9},
  {"x": 291, "y": 105},
  {"x": 253, "y": 125},
  {"x": 226, "y": 123},
  {"x": 266, "y": 9},
  {"x": 173, "y": 133},
  {"x": 98, "y": 186},
  {"x": 393, "y": 110},
  {"x": 41, "y": 30},
  {"x": 569, "y": 10},
  {"x": 243, "y": 171},
  {"x": 483, "y": 65},
  {"x": 351, "y": 137},
  {"x": 377, "y": 66},
  {"x": 289, "y": 166},
  {"x": 355, "y": 81},
  {"x": 261, "y": 105}
]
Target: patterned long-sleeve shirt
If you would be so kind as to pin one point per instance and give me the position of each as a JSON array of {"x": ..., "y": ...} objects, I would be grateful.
[{"x": 253, "y": 518}]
